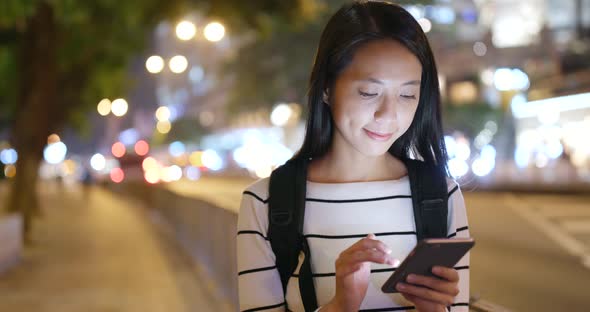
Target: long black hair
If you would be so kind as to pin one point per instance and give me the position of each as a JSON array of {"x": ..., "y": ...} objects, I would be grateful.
[{"x": 348, "y": 29}]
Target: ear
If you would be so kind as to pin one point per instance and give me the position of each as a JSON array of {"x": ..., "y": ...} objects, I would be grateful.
[{"x": 326, "y": 97}]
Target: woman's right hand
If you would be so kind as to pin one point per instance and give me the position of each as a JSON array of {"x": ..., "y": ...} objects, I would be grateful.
[{"x": 353, "y": 268}]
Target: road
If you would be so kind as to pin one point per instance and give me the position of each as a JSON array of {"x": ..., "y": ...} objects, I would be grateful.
[{"x": 530, "y": 251}]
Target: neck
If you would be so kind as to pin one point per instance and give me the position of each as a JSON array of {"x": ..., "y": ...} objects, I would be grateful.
[{"x": 342, "y": 167}]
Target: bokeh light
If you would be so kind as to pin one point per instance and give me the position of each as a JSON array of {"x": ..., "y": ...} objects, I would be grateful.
[
  {"x": 97, "y": 162},
  {"x": 149, "y": 163},
  {"x": 185, "y": 30},
  {"x": 9, "y": 156},
  {"x": 55, "y": 153},
  {"x": 425, "y": 23},
  {"x": 152, "y": 176},
  {"x": 212, "y": 160},
  {"x": 192, "y": 173},
  {"x": 118, "y": 149},
  {"x": 196, "y": 159},
  {"x": 117, "y": 175},
  {"x": 458, "y": 167},
  {"x": 163, "y": 113},
  {"x": 176, "y": 148},
  {"x": 54, "y": 138},
  {"x": 119, "y": 107},
  {"x": 104, "y": 107},
  {"x": 10, "y": 171},
  {"x": 154, "y": 64},
  {"x": 163, "y": 126},
  {"x": 214, "y": 31},
  {"x": 178, "y": 64},
  {"x": 142, "y": 148},
  {"x": 280, "y": 115}
]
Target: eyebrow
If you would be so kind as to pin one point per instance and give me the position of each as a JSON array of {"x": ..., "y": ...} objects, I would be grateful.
[{"x": 411, "y": 82}]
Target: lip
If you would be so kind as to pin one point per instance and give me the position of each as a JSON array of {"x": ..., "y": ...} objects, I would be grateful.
[{"x": 378, "y": 136}]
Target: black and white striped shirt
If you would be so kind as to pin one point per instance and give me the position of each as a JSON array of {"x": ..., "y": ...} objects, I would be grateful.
[{"x": 337, "y": 215}]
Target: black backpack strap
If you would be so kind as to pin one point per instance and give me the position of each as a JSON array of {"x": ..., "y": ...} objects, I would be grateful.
[
  {"x": 306, "y": 286},
  {"x": 429, "y": 197},
  {"x": 286, "y": 212}
]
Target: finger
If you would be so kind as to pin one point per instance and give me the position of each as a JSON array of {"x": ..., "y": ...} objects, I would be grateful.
[
  {"x": 371, "y": 241},
  {"x": 352, "y": 263},
  {"x": 434, "y": 283},
  {"x": 410, "y": 298},
  {"x": 368, "y": 243},
  {"x": 417, "y": 300},
  {"x": 426, "y": 293},
  {"x": 449, "y": 274},
  {"x": 371, "y": 255}
]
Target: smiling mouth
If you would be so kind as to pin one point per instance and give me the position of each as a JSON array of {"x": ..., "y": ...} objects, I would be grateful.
[{"x": 378, "y": 136}]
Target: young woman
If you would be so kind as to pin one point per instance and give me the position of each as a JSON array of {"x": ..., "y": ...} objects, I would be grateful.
[{"x": 373, "y": 100}]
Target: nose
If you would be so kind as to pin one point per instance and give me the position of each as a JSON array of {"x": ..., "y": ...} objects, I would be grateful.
[{"x": 386, "y": 111}]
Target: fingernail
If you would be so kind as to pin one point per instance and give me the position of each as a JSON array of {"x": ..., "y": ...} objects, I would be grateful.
[
  {"x": 396, "y": 262},
  {"x": 411, "y": 278},
  {"x": 401, "y": 286},
  {"x": 371, "y": 236}
]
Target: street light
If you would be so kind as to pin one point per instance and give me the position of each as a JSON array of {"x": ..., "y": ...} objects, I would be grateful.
[
  {"x": 154, "y": 64},
  {"x": 214, "y": 31},
  {"x": 185, "y": 30},
  {"x": 104, "y": 107},
  {"x": 178, "y": 64},
  {"x": 119, "y": 107}
]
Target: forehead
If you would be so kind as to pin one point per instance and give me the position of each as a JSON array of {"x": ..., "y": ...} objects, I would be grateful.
[{"x": 384, "y": 59}]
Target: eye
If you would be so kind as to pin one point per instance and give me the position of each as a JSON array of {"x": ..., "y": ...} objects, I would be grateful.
[
  {"x": 412, "y": 97},
  {"x": 367, "y": 95}
]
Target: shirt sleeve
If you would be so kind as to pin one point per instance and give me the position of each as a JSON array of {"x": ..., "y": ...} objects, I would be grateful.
[
  {"x": 259, "y": 283},
  {"x": 459, "y": 227}
]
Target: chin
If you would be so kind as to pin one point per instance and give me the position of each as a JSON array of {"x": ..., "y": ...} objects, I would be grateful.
[{"x": 374, "y": 150}]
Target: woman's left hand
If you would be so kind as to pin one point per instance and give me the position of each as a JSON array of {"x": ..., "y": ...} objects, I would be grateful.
[{"x": 431, "y": 293}]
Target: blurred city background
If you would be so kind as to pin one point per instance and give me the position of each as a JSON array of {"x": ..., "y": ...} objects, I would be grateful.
[{"x": 128, "y": 130}]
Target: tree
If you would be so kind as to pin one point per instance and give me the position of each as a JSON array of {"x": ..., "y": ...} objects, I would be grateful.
[{"x": 60, "y": 56}]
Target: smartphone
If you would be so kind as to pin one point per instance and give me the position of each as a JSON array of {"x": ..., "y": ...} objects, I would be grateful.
[{"x": 428, "y": 253}]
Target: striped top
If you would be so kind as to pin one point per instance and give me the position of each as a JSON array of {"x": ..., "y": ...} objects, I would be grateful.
[{"x": 337, "y": 215}]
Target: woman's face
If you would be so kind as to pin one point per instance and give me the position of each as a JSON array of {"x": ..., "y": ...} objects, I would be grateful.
[{"x": 374, "y": 99}]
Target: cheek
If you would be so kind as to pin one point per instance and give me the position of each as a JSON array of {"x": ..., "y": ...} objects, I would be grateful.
[
  {"x": 352, "y": 113},
  {"x": 408, "y": 116}
]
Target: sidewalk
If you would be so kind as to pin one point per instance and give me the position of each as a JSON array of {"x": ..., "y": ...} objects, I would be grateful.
[
  {"x": 558, "y": 177},
  {"x": 100, "y": 255}
]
